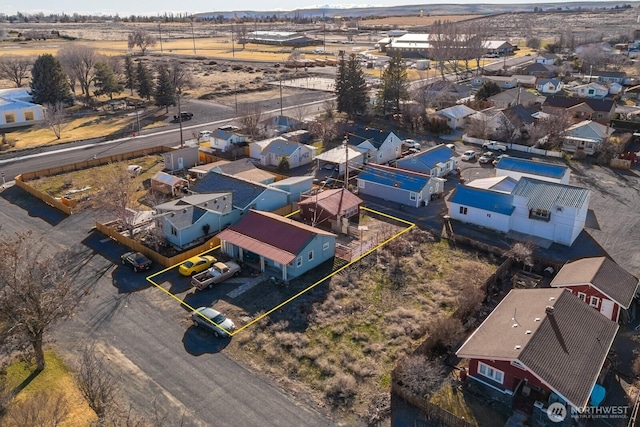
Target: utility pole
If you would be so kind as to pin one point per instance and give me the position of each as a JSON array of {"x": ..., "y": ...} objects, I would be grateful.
[
  {"x": 346, "y": 163},
  {"x": 193, "y": 36},
  {"x": 180, "y": 120},
  {"x": 235, "y": 96},
  {"x": 233, "y": 48},
  {"x": 280, "y": 96},
  {"x": 160, "y": 36},
  {"x": 137, "y": 118}
]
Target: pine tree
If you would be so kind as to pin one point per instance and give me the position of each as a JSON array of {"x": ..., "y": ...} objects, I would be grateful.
[
  {"x": 129, "y": 74},
  {"x": 49, "y": 84},
  {"x": 106, "y": 81},
  {"x": 145, "y": 81},
  {"x": 394, "y": 86},
  {"x": 351, "y": 87},
  {"x": 165, "y": 93}
]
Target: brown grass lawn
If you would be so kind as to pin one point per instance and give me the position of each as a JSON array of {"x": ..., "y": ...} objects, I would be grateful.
[
  {"x": 416, "y": 21},
  {"x": 363, "y": 321}
]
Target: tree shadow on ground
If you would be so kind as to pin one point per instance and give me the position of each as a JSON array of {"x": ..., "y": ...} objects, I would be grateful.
[
  {"x": 197, "y": 342},
  {"x": 35, "y": 207}
]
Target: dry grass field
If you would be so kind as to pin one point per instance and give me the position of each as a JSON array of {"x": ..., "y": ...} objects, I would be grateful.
[{"x": 401, "y": 22}]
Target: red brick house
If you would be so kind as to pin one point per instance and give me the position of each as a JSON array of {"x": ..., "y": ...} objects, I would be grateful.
[
  {"x": 532, "y": 351},
  {"x": 599, "y": 282},
  {"x": 329, "y": 208}
]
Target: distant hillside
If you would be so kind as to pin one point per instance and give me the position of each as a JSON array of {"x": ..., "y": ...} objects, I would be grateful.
[{"x": 426, "y": 9}]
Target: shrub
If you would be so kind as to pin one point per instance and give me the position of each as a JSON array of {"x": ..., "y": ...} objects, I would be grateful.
[
  {"x": 419, "y": 374},
  {"x": 445, "y": 333},
  {"x": 341, "y": 390}
]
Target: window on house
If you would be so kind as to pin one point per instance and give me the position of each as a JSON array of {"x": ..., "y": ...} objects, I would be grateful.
[
  {"x": 488, "y": 215},
  {"x": 299, "y": 261},
  {"x": 310, "y": 255},
  {"x": 490, "y": 372},
  {"x": 582, "y": 296},
  {"x": 594, "y": 301},
  {"x": 325, "y": 246},
  {"x": 412, "y": 195},
  {"x": 29, "y": 116},
  {"x": 9, "y": 118},
  {"x": 540, "y": 214},
  {"x": 463, "y": 210},
  {"x": 174, "y": 231}
]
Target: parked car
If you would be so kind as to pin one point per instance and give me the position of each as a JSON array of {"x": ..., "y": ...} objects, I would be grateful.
[
  {"x": 213, "y": 321},
  {"x": 468, "y": 155},
  {"x": 183, "y": 116},
  {"x": 196, "y": 264},
  {"x": 411, "y": 144},
  {"x": 218, "y": 273},
  {"x": 204, "y": 135},
  {"x": 136, "y": 260},
  {"x": 486, "y": 157},
  {"x": 134, "y": 170},
  {"x": 451, "y": 146},
  {"x": 494, "y": 146}
]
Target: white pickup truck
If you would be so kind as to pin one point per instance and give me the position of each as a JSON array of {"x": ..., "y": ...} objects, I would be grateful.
[
  {"x": 219, "y": 272},
  {"x": 494, "y": 146}
]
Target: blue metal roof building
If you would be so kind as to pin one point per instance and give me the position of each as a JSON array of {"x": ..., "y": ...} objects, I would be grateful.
[
  {"x": 245, "y": 194},
  {"x": 436, "y": 161},
  {"x": 517, "y": 168},
  {"x": 487, "y": 200},
  {"x": 402, "y": 186}
]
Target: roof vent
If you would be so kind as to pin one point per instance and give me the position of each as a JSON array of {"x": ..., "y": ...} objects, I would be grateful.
[
  {"x": 515, "y": 325},
  {"x": 549, "y": 310},
  {"x": 528, "y": 332},
  {"x": 518, "y": 347},
  {"x": 537, "y": 319}
]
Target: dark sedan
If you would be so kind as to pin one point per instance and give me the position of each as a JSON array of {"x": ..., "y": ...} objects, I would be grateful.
[{"x": 136, "y": 260}]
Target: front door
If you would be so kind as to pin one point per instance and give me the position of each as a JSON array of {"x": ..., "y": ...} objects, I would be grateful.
[{"x": 606, "y": 308}]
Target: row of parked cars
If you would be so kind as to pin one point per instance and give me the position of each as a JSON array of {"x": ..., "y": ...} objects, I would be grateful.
[
  {"x": 204, "y": 271},
  {"x": 488, "y": 157}
]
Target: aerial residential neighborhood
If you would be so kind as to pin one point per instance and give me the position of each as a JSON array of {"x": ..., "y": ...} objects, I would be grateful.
[{"x": 321, "y": 218}]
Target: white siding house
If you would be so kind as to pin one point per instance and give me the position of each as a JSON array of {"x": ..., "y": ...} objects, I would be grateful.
[
  {"x": 485, "y": 208},
  {"x": 16, "y": 109}
]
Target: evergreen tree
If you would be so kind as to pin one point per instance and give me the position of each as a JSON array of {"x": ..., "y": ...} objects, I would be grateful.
[
  {"x": 145, "y": 81},
  {"x": 49, "y": 84},
  {"x": 129, "y": 74},
  {"x": 351, "y": 87},
  {"x": 394, "y": 86},
  {"x": 165, "y": 93},
  {"x": 106, "y": 81},
  {"x": 488, "y": 89}
]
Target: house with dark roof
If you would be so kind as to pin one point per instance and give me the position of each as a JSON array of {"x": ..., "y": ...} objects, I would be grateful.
[
  {"x": 246, "y": 194},
  {"x": 183, "y": 221},
  {"x": 295, "y": 153},
  {"x": 600, "y": 110},
  {"x": 399, "y": 185},
  {"x": 532, "y": 352},
  {"x": 516, "y": 168},
  {"x": 521, "y": 119},
  {"x": 330, "y": 209},
  {"x": 279, "y": 124},
  {"x": 541, "y": 70},
  {"x": 601, "y": 283},
  {"x": 515, "y": 96},
  {"x": 546, "y": 58},
  {"x": 437, "y": 161},
  {"x": 277, "y": 244},
  {"x": 379, "y": 146},
  {"x": 548, "y": 211},
  {"x": 608, "y": 77}
]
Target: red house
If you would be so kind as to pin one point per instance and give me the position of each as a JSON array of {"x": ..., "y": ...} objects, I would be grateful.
[
  {"x": 532, "y": 351},
  {"x": 330, "y": 208},
  {"x": 599, "y": 282}
]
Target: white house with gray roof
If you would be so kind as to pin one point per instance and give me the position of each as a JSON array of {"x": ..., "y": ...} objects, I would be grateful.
[
  {"x": 296, "y": 154},
  {"x": 456, "y": 115},
  {"x": 16, "y": 109}
]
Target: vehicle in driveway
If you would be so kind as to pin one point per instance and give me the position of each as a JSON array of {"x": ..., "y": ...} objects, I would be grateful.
[
  {"x": 451, "y": 146},
  {"x": 487, "y": 157},
  {"x": 494, "y": 146},
  {"x": 468, "y": 155},
  {"x": 217, "y": 273},
  {"x": 411, "y": 144},
  {"x": 136, "y": 260},
  {"x": 196, "y": 264},
  {"x": 213, "y": 321}
]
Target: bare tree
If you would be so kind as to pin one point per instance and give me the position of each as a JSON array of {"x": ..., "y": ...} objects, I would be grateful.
[
  {"x": 521, "y": 253},
  {"x": 251, "y": 114},
  {"x": 419, "y": 374},
  {"x": 34, "y": 294},
  {"x": 117, "y": 193},
  {"x": 98, "y": 386},
  {"x": 299, "y": 112},
  {"x": 554, "y": 126},
  {"x": 44, "y": 408},
  {"x": 141, "y": 38},
  {"x": 479, "y": 127},
  {"x": 79, "y": 61},
  {"x": 181, "y": 76},
  {"x": 15, "y": 68},
  {"x": 6, "y": 393},
  {"x": 54, "y": 118},
  {"x": 326, "y": 129},
  {"x": 329, "y": 106}
]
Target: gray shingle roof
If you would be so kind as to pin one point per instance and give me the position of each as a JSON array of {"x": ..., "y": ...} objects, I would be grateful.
[
  {"x": 604, "y": 274},
  {"x": 243, "y": 192},
  {"x": 546, "y": 195},
  {"x": 566, "y": 348}
]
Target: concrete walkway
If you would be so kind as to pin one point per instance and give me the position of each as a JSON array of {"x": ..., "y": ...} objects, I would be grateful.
[{"x": 248, "y": 285}]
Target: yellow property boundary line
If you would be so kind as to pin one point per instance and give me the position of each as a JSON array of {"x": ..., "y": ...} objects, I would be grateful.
[{"x": 409, "y": 224}]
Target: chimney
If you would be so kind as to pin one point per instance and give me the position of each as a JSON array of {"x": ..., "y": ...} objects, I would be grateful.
[{"x": 549, "y": 310}]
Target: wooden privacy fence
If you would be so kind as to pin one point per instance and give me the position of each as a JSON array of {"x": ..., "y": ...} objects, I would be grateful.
[{"x": 51, "y": 201}]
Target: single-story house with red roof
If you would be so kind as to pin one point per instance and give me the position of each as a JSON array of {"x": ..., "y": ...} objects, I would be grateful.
[{"x": 330, "y": 208}]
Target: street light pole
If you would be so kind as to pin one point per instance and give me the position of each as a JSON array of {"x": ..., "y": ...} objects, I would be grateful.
[
  {"x": 180, "y": 121},
  {"x": 193, "y": 37},
  {"x": 280, "y": 96}
]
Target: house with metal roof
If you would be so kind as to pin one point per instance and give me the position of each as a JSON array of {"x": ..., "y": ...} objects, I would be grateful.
[
  {"x": 246, "y": 194},
  {"x": 590, "y": 90},
  {"x": 549, "y": 86},
  {"x": 17, "y": 110},
  {"x": 191, "y": 218},
  {"x": 342, "y": 156},
  {"x": 437, "y": 161},
  {"x": 399, "y": 185},
  {"x": 538, "y": 348},
  {"x": 548, "y": 211},
  {"x": 168, "y": 184},
  {"x": 277, "y": 244},
  {"x": 330, "y": 209},
  {"x": 243, "y": 168},
  {"x": 586, "y": 136},
  {"x": 295, "y": 186},
  {"x": 455, "y": 116},
  {"x": 225, "y": 140},
  {"x": 516, "y": 168},
  {"x": 296, "y": 154},
  {"x": 515, "y": 96},
  {"x": 601, "y": 283},
  {"x": 379, "y": 146}
]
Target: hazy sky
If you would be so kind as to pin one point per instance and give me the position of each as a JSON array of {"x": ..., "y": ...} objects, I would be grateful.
[{"x": 155, "y": 7}]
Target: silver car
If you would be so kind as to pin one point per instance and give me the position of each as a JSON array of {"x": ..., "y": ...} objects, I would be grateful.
[{"x": 214, "y": 321}]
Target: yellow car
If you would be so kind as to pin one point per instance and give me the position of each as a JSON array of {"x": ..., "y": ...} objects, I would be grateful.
[{"x": 196, "y": 264}]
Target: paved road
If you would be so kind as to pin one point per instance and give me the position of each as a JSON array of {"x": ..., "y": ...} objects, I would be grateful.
[{"x": 147, "y": 337}]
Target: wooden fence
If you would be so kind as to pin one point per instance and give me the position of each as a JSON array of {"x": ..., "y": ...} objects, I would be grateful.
[
  {"x": 620, "y": 164},
  {"x": 432, "y": 413},
  {"x": 51, "y": 201}
]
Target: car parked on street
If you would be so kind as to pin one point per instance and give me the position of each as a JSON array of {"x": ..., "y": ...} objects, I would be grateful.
[
  {"x": 494, "y": 146},
  {"x": 213, "y": 321},
  {"x": 468, "y": 155},
  {"x": 136, "y": 260},
  {"x": 196, "y": 264},
  {"x": 487, "y": 157}
]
